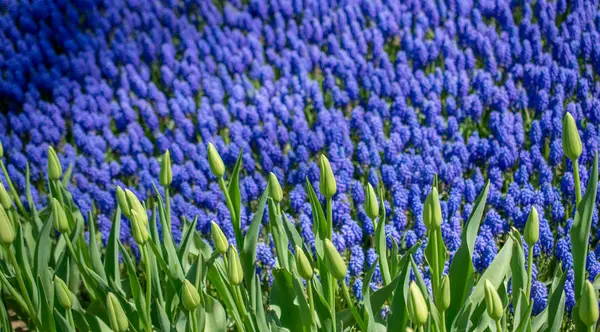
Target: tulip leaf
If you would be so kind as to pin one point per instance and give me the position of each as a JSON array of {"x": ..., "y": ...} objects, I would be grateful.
[
  {"x": 398, "y": 317},
  {"x": 580, "y": 231},
  {"x": 279, "y": 236},
  {"x": 248, "y": 253},
  {"x": 325, "y": 321},
  {"x": 111, "y": 261},
  {"x": 4, "y": 320},
  {"x": 286, "y": 301},
  {"x": 62, "y": 322},
  {"x": 463, "y": 321},
  {"x": 461, "y": 269},
  {"x": 435, "y": 253},
  {"x": 42, "y": 255},
  {"x": 184, "y": 245},
  {"x": 381, "y": 248},
  {"x": 46, "y": 304},
  {"x": 219, "y": 281},
  {"x": 93, "y": 245},
  {"x": 216, "y": 320},
  {"x": 517, "y": 264},
  {"x": 134, "y": 285},
  {"x": 168, "y": 244},
  {"x": 235, "y": 196},
  {"x": 522, "y": 316},
  {"x": 556, "y": 303}
]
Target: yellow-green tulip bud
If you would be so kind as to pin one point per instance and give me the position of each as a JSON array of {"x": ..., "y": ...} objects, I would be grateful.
[
  {"x": 54, "y": 167},
  {"x": 166, "y": 175},
  {"x": 63, "y": 294},
  {"x": 236, "y": 274},
  {"x": 303, "y": 264},
  {"x": 5, "y": 199},
  {"x": 327, "y": 184},
  {"x": 432, "y": 211},
  {"x": 135, "y": 205},
  {"x": 219, "y": 239},
  {"x": 334, "y": 261},
  {"x": 408, "y": 329},
  {"x": 492, "y": 302},
  {"x": 138, "y": 229},
  {"x": 532, "y": 228},
  {"x": 588, "y": 310},
  {"x": 371, "y": 204},
  {"x": 417, "y": 308},
  {"x": 189, "y": 296},
  {"x": 275, "y": 188},
  {"x": 571, "y": 142},
  {"x": 116, "y": 315},
  {"x": 122, "y": 201},
  {"x": 61, "y": 223},
  {"x": 442, "y": 300},
  {"x": 215, "y": 162},
  {"x": 7, "y": 231}
]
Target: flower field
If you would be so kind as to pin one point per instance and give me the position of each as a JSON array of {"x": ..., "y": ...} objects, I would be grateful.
[{"x": 255, "y": 165}]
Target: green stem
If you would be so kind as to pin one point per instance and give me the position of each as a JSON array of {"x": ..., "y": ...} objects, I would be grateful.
[
  {"x": 238, "y": 300},
  {"x": 329, "y": 217},
  {"x": 434, "y": 279},
  {"x": 232, "y": 212},
  {"x": 13, "y": 292},
  {"x": 443, "y": 321},
  {"x": 168, "y": 207},
  {"x": 12, "y": 189},
  {"x": 194, "y": 321},
  {"x": 529, "y": 271},
  {"x": 311, "y": 302},
  {"x": 498, "y": 326},
  {"x": 420, "y": 328},
  {"x": 24, "y": 293},
  {"x": 70, "y": 318},
  {"x": 148, "y": 286},
  {"x": 355, "y": 313},
  {"x": 577, "y": 182},
  {"x": 332, "y": 281}
]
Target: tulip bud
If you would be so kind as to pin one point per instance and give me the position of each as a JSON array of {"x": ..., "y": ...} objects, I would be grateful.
[
  {"x": 166, "y": 175},
  {"x": 189, "y": 296},
  {"x": 5, "y": 199},
  {"x": 61, "y": 223},
  {"x": 54, "y": 167},
  {"x": 588, "y": 310},
  {"x": 219, "y": 239},
  {"x": 1, "y": 150},
  {"x": 63, "y": 294},
  {"x": 275, "y": 188},
  {"x": 371, "y": 204},
  {"x": 432, "y": 211},
  {"x": 7, "y": 231},
  {"x": 442, "y": 300},
  {"x": 571, "y": 142},
  {"x": 532, "y": 228},
  {"x": 215, "y": 162},
  {"x": 304, "y": 268},
  {"x": 122, "y": 201},
  {"x": 116, "y": 315},
  {"x": 135, "y": 205},
  {"x": 327, "y": 184},
  {"x": 334, "y": 260},
  {"x": 138, "y": 229},
  {"x": 236, "y": 274},
  {"x": 493, "y": 302},
  {"x": 417, "y": 308}
]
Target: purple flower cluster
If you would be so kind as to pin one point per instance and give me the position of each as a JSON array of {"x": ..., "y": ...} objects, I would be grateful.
[{"x": 393, "y": 92}]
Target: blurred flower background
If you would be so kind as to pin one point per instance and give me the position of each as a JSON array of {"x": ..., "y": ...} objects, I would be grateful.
[{"x": 392, "y": 92}]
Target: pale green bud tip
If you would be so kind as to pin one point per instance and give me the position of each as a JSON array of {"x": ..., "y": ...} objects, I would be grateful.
[
  {"x": 304, "y": 268},
  {"x": 417, "y": 308},
  {"x": 54, "y": 167},
  {"x": 275, "y": 188},
  {"x": 116, "y": 315},
  {"x": 135, "y": 205},
  {"x": 371, "y": 204},
  {"x": 493, "y": 302},
  {"x": 7, "y": 231},
  {"x": 189, "y": 296},
  {"x": 336, "y": 263},
  {"x": 60, "y": 218},
  {"x": 327, "y": 183},
  {"x": 532, "y": 228},
  {"x": 5, "y": 199},
  {"x": 219, "y": 239},
  {"x": 215, "y": 162},
  {"x": 236, "y": 274},
  {"x": 442, "y": 300},
  {"x": 166, "y": 175},
  {"x": 432, "y": 211},
  {"x": 588, "y": 310},
  {"x": 122, "y": 201},
  {"x": 63, "y": 294},
  {"x": 571, "y": 142}
]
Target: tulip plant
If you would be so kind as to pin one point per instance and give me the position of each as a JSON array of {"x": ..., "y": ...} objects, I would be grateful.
[{"x": 58, "y": 279}]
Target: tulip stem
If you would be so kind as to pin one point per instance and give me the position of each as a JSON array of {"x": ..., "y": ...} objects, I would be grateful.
[
  {"x": 168, "y": 207},
  {"x": 238, "y": 300},
  {"x": 577, "y": 181},
  {"x": 443, "y": 320},
  {"x": 529, "y": 271},
  {"x": 24, "y": 293},
  {"x": 232, "y": 212},
  {"x": 13, "y": 292},
  {"x": 13, "y": 191},
  {"x": 420, "y": 328},
  {"x": 329, "y": 217},
  {"x": 148, "y": 286},
  {"x": 194, "y": 321},
  {"x": 498, "y": 326},
  {"x": 70, "y": 318},
  {"x": 355, "y": 313},
  {"x": 311, "y": 302}
]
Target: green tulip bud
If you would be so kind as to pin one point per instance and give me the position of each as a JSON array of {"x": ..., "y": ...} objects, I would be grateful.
[
  {"x": 116, "y": 315},
  {"x": 334, "y": 260},
  {"x": 442, "y": 300},
  {"x": 327, "y": 184},
  {"x": 135, "y": 205},
  {"x": 189, "y": 296},
  {"x": 371, "y": 204},
  {"x": 7, "y": 231},
  {"x": 63, "y": 294},
  {"x": 54, "y": 167},
  {"x": 236, "y": 274},
  {"x": 5, "y": 199},
  {"x": 138, "y": 229},
  {"x": 432, "y": 211},
  {"x": 215, "y": 162},
  {"x": 492, "y": 302},
  {"x": 275, "y": 188},
  {"x": 408, "y": 329},
  {"x": 61, "y": 223},
  {"x": 303, "y": 264},
  {"x": 166, "y": 175},
  {"x": 417, "y": 308},
  {"x": 571, "y": 142},
  {"x": 219, "y": 239},
  {"x": 532, "y": 228},
  {"x": 122, "y": 201},
  {"x": 1, "y": 150},
  {"x": 588, "y": 310}
]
